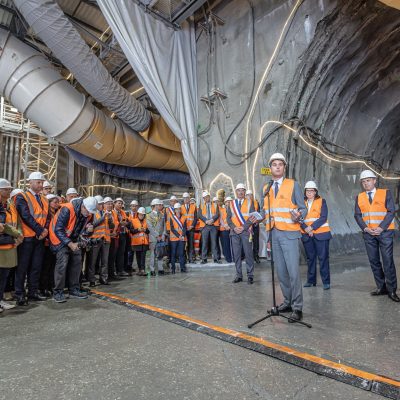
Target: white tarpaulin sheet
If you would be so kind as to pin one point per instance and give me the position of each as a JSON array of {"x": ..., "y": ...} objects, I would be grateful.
[{"x": 165, "y": 63}]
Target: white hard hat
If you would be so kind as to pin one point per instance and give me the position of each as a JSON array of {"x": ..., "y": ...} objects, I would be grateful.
[
  {"x": 177, "y": 206},
  {"x": 134, "y": 203},
  {"x": 367, "y": 174},
  {"x": 277, "y": 156},
  {"x": 160, "y": 202},
  {"x": 51, "y": 196},
  {"x": 186, "y": 194},
  {"x": 154, "y": 202},
  {"x": 229, "y": 198},
  {"x": 173, "y": 198},
  {"x": 249, "y": 192},
  {"x": 119, "y": 199},
  {"x": 47, "y": 184},
  {"x": 99, "y": 199},
  {"x": 193, "y": 199},
  {"x": 108, "y": 200},
  {"x": 90, "y": 204},
  {"x": 215, "y": 199},
  {"x": 36, "y": 176},
  {"x": 141, "y": 210},
  {"x": 5, "y": 184},
  {"x": 311, "y": 185},
  {"x": 240, "y": 186},
  {"x": 205, "y": 193},
  {"x": 15, "y": 192},
  {"x": 72, "y": 191}
]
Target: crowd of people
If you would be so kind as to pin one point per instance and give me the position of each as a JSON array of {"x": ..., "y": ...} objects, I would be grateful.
[{"x": 51, "y": 245}]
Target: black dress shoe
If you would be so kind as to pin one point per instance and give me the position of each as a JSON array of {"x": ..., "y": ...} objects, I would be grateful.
[
  {"x": 393, "y": 296},
  {"x": 204, "y": 261},
  {"x": 37, "y": 297},
  {"x": 295, "y": 316},
  {"x": 237, "y": 280},
  {"x": 92, "y": 284},
  {"x": 217, "y": 261},
  {"x": 379, "y": 292},
  {"x": 21, "y": 301},
  {"x": 250, "y": 281},
  {"x": 104, "y": 282},
  {"x": 160, "y": 272},
  {"x": 257, "y": 259},
  {"x": 284, "y": 308}
]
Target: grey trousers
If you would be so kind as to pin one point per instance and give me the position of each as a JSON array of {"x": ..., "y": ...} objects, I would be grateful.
[
  {"x": 67, "y": 261},
  {"x": 239, "y": 241},
  {"x": 103, "y": 249},
  {"x": 287, "y": 256},
  {"x": 155, "y": 264},
  {"x": 209, "y": 231}
]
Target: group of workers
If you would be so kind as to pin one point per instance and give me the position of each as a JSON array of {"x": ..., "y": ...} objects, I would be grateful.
[{"x": 47, "y": 237}]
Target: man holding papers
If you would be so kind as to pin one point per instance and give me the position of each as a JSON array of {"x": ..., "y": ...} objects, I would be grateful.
[{"x": 241, "y": 233}]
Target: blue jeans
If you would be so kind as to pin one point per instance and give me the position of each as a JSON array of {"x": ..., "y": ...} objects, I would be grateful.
[
  {"x": 317, "y": 249},
  {"x": 177, "y": 252}
]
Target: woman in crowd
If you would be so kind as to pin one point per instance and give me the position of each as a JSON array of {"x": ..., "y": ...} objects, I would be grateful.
[
  {"x": 140, "y": 239},
  {"x": 177, "y": 238},
  {"x": 46, "y": 282},
  {"x": 316, "y": 235},
  {"x": 10, "y": 238}
]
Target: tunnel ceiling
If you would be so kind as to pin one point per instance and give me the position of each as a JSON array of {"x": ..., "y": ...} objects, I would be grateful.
[{"x": 347, "y": 85}]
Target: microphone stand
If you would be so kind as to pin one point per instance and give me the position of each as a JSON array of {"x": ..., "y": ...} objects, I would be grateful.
[{"x": 274, "y": 312}]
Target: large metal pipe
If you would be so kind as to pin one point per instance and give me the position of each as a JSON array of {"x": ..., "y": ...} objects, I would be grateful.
[{"x": 33, "y": 86}]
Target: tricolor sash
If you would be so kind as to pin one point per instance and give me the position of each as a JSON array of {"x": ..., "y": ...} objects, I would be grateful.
[
  {"x": 177, "y": 221},
  {"x": 238, "y": 212}
]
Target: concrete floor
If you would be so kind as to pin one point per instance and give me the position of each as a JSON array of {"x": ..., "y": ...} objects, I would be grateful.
[{"x": 93, "y": 349}]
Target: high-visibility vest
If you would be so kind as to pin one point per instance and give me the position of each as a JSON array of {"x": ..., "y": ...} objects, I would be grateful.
[
  {"x": 38, "y": 212},
  {"x": 140, "y": 238},
  {"x": 175, "y": 225},
  {"x": 189, "y": 214},
  {"x": 204, "y": 212},
  {"x": 116, "y": 223},
  {"x": 223, "y": 223},
  {"x": 245, "y": 209},
  {"x": 168, "y": 215},
  {"x": 373, "y": 214},
  {"x": 102, "y": 231},
  {"x": 280, "y": 207},
  {"x": 12, "y": 220},
  {"x": 313, "y": 214},
  {"x": 69, "y": 228}
]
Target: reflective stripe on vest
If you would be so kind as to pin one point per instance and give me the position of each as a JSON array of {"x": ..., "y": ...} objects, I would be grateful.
[
  {"x": 373, "y": 214},
  {"x": 101, "y": 231},
  {"x": 68, "y": 229},
  {"x": 204, "y": 212},
  {"x": 223, "y": 223},
  {"x": 38, "y": 213},
  {"x": 140, "y": 238},
  {"x": 245, "y": 209},
  {"x": 189, "y": 214},
  {"x": 280, "y": 207},
  {"x": 314, "y": 214}
]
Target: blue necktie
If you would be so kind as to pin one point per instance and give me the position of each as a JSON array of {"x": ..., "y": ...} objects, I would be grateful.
[
  {"x": 276, "y": 189},
  {"x": 370, "y": 197},
  {"x": 39, "y": 200}
]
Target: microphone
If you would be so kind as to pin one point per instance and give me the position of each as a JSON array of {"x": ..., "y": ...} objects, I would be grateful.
[{"x": 270, "y": 183}]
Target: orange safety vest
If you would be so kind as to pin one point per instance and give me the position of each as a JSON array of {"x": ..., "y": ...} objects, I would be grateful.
[
  {"x": 116, "y": 223},
  {"x": 140, "y": 238},
  {"x": 37, "y": 212},
  {"x": 102, "y": 231},
  {"x": 189, "y": 214},
  {"x": 373, "y": 214},
  {"x": 176, "y": 226},
  {"x": 280, "y": 207},
  {"x": 12, "y": 220},
  {"x": 55, "y": 241},
  {"x": 204, "y": 212},
  {"x": 313, "y": 214},
  {"x": 223, "y": 223},
  {"x": 245, "y": 209},
  {"x": 168, "y": 214}
]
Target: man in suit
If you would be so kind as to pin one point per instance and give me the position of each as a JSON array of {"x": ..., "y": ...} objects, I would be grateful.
[
  {"x": 284, "y": 212},
  {"x": 241, "y": 233},
  {"x": 374, "y": 214}
]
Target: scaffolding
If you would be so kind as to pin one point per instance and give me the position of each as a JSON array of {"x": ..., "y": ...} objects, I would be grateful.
[{"x": 24, "y": 148}]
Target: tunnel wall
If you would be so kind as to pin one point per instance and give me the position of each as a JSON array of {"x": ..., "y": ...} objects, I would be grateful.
[{"x": 337, "y": 69}]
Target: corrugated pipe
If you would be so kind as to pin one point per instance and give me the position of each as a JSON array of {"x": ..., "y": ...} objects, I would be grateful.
[
  {"x": 175, "y": 178},
  {"x": 33, "y": 86},
  {"x": 50, "y": 23}
]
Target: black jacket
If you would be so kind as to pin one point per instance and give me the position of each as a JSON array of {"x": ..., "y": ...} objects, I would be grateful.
[
  {"x": 62, "y": 223},
  {"x": 4, "y": 238}
]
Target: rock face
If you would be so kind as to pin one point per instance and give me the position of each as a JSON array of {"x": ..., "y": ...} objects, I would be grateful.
[{"x": 335, "y": 70}]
